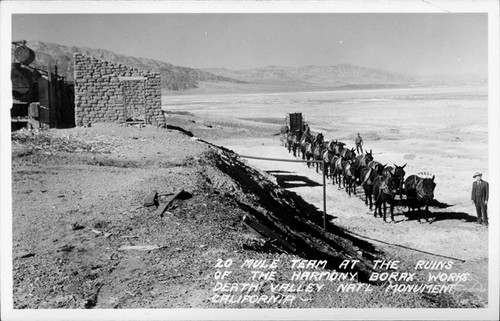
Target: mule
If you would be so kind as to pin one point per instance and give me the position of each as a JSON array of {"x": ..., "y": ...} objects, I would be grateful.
[
  {"x": 326, "y": 156},
  {"x": 348, "y": 153},
  {"x": 376, "y": 166},
  {"x": 284, "y": 130},
  {"x": 319, "y": 139},
  {"x": 317, "y": 149},
  {"x": 307, "y": 152},
  {"x": 349, "y": 178},
  {"x": 288, "y": 142},
  {"x": 360, "y": 162},
  {"x": 336, "y": 169},
  {"x": 419, "y": 192},
  {"x": 384, "y": 189},
  {"x": 295, "y": 144},
  {"x": 399, "y": 172},
  {"x": 330, "y": 145},
  {"x": 293, "y": 140},
  {"x": 305, "y": 142},
  {"x": 338, "y": 147},
  {"x": 368, "y": 176}
]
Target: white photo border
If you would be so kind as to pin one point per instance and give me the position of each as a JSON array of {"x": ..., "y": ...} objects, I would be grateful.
[{"x": 8, "y": 8}]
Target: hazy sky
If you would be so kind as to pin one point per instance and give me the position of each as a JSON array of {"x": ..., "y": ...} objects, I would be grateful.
[{"x": 424, "y": 43}]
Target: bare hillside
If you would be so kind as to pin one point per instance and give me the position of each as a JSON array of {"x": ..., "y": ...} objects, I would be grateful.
[{"x": 173, "y": 77}]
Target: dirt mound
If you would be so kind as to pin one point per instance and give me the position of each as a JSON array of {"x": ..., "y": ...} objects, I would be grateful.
[
  {"x": 298, "y": 223},
  {"x": 52, "y": 141}
]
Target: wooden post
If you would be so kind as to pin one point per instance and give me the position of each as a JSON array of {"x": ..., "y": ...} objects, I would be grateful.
[
  {"x": 58, "y": 98},
  {"x": 51, "y": 99},
  {"x": 324, "y": 196},
  {"x": 124, "y": 93},
  {"x": 146, "y": 120}
]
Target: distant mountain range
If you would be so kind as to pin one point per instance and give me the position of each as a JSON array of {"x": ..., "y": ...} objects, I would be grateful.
[
  {"x": 330, "y": 76},
  {"x": 265, "y": 79},
  {"x": 173, "y": 77}
]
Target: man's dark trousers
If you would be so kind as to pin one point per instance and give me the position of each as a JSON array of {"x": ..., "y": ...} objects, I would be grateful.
[
  {"x": 480, "y": 197},
  {"x": 482, "y": 212}
]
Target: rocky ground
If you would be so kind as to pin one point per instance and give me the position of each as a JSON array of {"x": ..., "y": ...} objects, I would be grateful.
[{"x": 78, "y": 212}]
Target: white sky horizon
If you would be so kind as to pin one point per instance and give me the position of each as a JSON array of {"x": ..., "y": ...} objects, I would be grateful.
[{"x": 419, "y": 44}]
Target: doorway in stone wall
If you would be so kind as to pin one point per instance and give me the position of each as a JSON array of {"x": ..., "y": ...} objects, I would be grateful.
[{"x": 134, "y": 99}]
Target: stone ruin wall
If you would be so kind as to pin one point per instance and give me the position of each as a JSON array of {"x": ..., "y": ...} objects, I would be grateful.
[{"x": 99, "y": 93}]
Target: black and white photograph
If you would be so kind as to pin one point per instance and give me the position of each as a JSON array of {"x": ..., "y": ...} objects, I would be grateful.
[{"x": 254, "y": 160}]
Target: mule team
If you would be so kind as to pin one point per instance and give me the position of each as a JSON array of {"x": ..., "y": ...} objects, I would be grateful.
[{"x": 381, "y": 183}]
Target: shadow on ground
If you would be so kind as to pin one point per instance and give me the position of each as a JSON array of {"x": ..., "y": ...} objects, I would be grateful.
[
  {"x": 440, "y": 216},
  {"x": 291, "y": 181},
  {"x": 277, "y": 171}
]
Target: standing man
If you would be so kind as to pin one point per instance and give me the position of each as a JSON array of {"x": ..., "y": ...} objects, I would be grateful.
[
  {"x": 307, "y": 130},
  {"x": 480, "y": 198},
  {"x": 359, "y": 144}
]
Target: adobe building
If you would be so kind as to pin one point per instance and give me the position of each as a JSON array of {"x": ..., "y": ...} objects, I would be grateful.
[{"x": 109, "y": 92}]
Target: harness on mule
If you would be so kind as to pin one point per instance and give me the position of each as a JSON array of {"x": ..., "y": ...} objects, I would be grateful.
[
  {"x": 327, "y": 155},
  {"x": 338, "y": 163},
  {"x": 348, "y": 170},
  {"x": 367, "y": 177},
  {"x": 362, "y": 161},
  {"x": 384, "y": 188},
  {"x": 420, "y": 190},
  {"x": 373, "y": 164},
  {"x": 383, "y": 185}
]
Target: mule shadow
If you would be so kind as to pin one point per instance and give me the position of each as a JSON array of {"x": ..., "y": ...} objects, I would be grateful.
[
  {"x": 439, "y": 216},
  {"x": 291, "y": 181},
  {"x": 437, "y": 204},
  {"x": 433, "y": 204}
]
